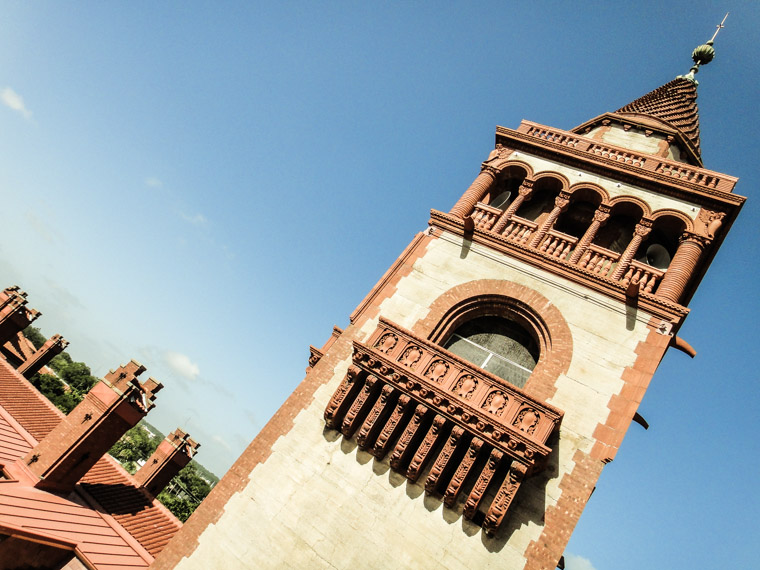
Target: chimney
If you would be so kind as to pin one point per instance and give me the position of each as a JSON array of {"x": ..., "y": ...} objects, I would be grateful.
[
  {"x": 110, "y": 408},
  {"x": 14, "y": 316},
  {"x": 172, "y": 454},
  {"x": 54, "y": 345}
]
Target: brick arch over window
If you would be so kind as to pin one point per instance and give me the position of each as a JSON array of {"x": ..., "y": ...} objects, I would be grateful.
[
  {"x": 525, "y": 306},
  {"x": 516, "y": 164},
  {"x": 665, "y": 212},
  {"x": 617, "y": 200},
  {"x": 604, "y": 196},
  {"x": 561, "y": 178}
]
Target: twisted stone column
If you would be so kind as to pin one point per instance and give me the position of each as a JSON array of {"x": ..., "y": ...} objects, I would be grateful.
[
  {"x": 523, "y": 193},
  {"x": 601, "y": 216},
  {"x": 682, "y": 266},
  {"x": 560, "y": 205},
  {"x": 639, "y": 233},
  {"x": 475, "y": 192}
]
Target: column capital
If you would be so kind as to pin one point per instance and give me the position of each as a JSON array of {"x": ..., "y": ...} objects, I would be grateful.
[
  {"x": 492, "y": 170},
  {"x": 643, "y": 228},
  {"x": 526, "y": 187},
  {"x": 602, "y": 214},
  {"x": 701, "y": 241},
  {"x": 562, "y": 201}
]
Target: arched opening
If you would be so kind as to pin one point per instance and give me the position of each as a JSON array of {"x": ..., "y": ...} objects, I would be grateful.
[
  {"x": 506, "y": 189},
  {"x": 617, "y": 233},
  {"x": 498, "y": 345},
  {"x": 541, "y": 202},
  {"x": 658, "y": 249},
  {"x": 579, "y": 214}
]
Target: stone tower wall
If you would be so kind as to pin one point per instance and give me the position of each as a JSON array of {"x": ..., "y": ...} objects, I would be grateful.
[{"x": 304, "y": 496}]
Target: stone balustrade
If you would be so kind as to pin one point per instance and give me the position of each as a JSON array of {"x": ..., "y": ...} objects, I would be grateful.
[
  {"x": 553, "y": 135},
  {"x": 618, "y": 155},
  {"x": 645, "y": 275},
  {"x": 519, "y": 230},
  {"x": 706, "y": 179},
  {"x": 485, "y": 216},
  {"x": 599, "y": 260},
  {"x": 558, "y": 245},
  {"x": 698, "y": 176}
]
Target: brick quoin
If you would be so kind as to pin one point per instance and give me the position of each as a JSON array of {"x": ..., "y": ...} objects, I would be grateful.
[{"x": 577, "y": 485}]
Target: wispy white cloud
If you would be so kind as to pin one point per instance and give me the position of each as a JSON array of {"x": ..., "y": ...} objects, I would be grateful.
[
  {"x": 573, "y": 562},
  {"x": 221, "y": 441},
  {"x": 153, "y": 182},
  {"x": 197, "y": 219},
  {"x": 14, "y": 101},
  {"x": 182, "y": 365}
]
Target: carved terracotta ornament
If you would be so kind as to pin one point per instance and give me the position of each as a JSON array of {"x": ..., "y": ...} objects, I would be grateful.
[
  {"x": 437, "y": 370},
  {"x": 466, "y": 386},
  {"x": 387, "y": 343},
  {"x": 711, "y": 220},
  {"x": 498, "y": 153},
  {"x": 495, "y": 402},
  {"x": 411, "y": 356},
  {"x": 431, "y": 410},
  {"x": 526, "y": 420}
]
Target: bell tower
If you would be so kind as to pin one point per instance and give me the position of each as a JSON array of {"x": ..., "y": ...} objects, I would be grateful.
[{"x": 463, "y": 417}]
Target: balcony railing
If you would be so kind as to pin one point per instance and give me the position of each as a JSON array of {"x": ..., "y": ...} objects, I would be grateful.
[
  {"x": 485, "y": 216},
  {"x": 599, "y": 260},
  {"x": 425, "y": 406},
  {"x": 558, "y": 245},
  {"x": 698, "y": 176},
  {"x": 645, "y": 275},
  {"x": 519, "y": 230}
]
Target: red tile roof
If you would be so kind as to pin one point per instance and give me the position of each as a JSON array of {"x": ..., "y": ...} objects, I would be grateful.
[
  {"x": 98, "y": 541},
  {"x": 675, "y": 103},
  {"x": 26, "y": 417}
]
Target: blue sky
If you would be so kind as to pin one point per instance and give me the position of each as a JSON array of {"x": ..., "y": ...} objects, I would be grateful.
[{"x": 209, "y": 188}]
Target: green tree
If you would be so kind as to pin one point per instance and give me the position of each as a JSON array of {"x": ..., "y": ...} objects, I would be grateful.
[
  {"x": 55, "y": 391},
  {"x": 180, "y": 508},
  {"x": 59, "y": 362},
  {"x": 35, "y": 336},
  {"x": 185, "y": 492},
  {"x": 77, "y": 375},
  {"x": 136, "y": 445}
]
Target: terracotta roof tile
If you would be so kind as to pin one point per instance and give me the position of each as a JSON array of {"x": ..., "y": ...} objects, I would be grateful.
[
  {"x": 675, "y": 103},
  {"x": 38, "y": 511},
  {"x": 26, "y": 416},
  {"x": 23, "y": 401},
  {"x": 149, "y": 522}
]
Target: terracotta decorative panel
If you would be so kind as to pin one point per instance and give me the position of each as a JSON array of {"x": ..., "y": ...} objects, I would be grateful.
[{"x": 408, "y": 396}]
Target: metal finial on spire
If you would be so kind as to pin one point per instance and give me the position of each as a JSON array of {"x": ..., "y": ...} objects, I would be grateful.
[{"x": 703, "y": 54}]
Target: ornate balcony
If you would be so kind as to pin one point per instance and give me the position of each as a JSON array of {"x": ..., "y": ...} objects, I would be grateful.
[{"x": 406, "y": 396}]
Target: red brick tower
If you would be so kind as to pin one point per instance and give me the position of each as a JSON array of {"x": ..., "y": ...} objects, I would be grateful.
[{"x": 464, "y": 416}]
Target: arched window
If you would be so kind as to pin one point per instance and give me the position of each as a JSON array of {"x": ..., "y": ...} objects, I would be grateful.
[
  {"x": 498, "y": 345},
  {"x": 617, "y": 233},
  {"x": 504, "y": 192},
  {"x": 541, "y": 202},
  {"x": 660, "y": 246}
]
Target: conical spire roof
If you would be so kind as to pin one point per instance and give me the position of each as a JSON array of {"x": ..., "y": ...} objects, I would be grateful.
[{"x": 675, "y": 103}]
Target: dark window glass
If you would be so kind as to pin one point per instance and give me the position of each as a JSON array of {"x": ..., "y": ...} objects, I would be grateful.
[{"x": 498, "y": 345}]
